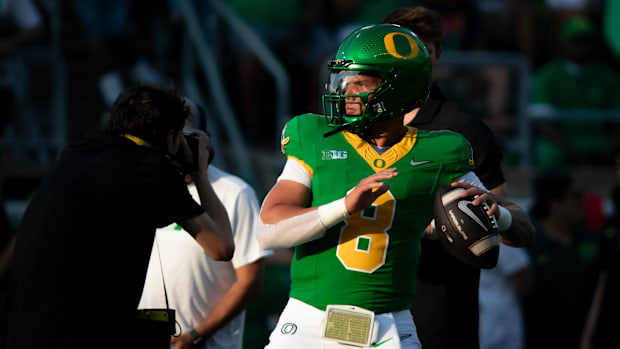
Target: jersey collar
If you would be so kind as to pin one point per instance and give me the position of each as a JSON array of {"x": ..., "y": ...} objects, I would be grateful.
[{"x": 390, "y": 156}]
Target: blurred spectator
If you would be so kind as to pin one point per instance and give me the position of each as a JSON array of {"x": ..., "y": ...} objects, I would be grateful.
[
  {"x": 601, "y": 329},
  {"x": 510, "y": 25},
  {"x": 565, "y": 257},
  {"x": 107, "y": 27},
  {"x": 461, "y": 23},
  {"x": 576, "y": 80},
  {"x": 611, "y": 26},
  {"x": 501, "y": 290},
  {"x": 21, "y": 24}
]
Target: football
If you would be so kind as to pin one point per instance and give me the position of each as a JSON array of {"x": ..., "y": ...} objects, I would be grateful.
[{"x": 465, "y": 230}]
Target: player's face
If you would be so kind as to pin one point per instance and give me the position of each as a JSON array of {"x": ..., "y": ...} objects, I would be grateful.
[{"x": 355, "y": 85}]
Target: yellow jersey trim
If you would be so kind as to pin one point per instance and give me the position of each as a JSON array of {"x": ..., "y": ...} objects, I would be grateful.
[
  {"x": 302, "y": 163},
  {"x": 139, "y": 141},
  {"x": 390, "y": 156}
]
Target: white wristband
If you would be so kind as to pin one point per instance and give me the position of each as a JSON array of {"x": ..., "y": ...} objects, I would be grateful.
[
  {"x": 505, "y": 219},
  {"x": 333, "y": 213}
]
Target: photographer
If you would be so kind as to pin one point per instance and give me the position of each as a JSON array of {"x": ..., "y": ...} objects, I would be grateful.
[{"x": 84, "y": 243}]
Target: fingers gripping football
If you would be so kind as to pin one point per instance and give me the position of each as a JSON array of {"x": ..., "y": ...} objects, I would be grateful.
[
  {"x": 481, "y": 196},
  {"x": 368, "y": 190},
  {"x": 466, "y": 226}
]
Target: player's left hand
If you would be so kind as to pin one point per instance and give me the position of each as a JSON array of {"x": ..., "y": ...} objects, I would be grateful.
[
  {"x": 184, "y": 341},
  {"x": 480, "y": 195}
]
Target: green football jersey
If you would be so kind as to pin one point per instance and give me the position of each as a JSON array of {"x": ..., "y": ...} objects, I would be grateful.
[{"x": 370, "y": 259}]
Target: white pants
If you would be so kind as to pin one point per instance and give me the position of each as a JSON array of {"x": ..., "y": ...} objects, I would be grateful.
[{"x": 300, "y": 326}]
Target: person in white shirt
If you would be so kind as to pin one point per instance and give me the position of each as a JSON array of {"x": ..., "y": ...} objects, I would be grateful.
[
  {"x": 209, "y": 297},
  {"x": 501, "y": 318}
]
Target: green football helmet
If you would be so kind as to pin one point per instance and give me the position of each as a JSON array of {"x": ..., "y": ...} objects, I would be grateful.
[{"x": 394, "y": 68}]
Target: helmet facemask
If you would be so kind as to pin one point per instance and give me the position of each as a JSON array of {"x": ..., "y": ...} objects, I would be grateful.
[{"x": 353, "y": 99}]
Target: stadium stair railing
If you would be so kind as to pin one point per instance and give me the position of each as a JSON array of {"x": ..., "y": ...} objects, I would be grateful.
[{"x": 207, "y": 60}]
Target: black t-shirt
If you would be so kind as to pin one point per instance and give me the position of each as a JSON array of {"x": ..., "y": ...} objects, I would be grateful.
[
  {"x": 84, "y": 244},
  {"x": 607, "y": 322},
  {"x": 445, "y": 307},
  {"x": 564, "y": 282}
]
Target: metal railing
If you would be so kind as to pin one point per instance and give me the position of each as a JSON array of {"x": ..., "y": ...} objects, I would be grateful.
[
  {"x": 207, "y": 60},
  {"x": 29, "y": 130}
]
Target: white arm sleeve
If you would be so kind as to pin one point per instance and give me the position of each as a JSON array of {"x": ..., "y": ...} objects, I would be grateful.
[
  {"x": 471, "y": 178},
  {"x": 292, "y": 231},
  {"x": 294, "y": 171}
]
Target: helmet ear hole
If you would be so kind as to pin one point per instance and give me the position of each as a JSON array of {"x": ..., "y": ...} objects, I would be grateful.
[{"x": 393, "y": 73}]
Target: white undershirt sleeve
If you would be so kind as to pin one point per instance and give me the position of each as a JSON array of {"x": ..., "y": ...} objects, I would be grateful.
[
  {"x": 471, "y": 178},
  {"x": 294, "y": 171}
]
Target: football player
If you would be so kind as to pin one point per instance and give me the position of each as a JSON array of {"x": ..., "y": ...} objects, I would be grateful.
[{"x": 356, "y": 192}]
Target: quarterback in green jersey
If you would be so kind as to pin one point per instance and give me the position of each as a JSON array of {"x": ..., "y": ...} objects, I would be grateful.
[{"x": 356, "y": 193}]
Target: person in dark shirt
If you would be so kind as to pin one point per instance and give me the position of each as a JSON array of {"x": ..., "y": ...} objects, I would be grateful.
[
  {"x": 604, "y": 312},
  {"x": 445, "y": 306},
  {"x": 85, "y": 240},
  {"x": 566, "y": 262}
]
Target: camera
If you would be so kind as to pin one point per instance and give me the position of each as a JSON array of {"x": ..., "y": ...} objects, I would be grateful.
[{"x": 193, "y": 143}]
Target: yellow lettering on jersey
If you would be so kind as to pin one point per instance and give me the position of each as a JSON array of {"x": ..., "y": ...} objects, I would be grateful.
[
  {"x": 388, "y": 40},
  {"x": 302, "y": 163},
  {"x": 389, "y": 157},
  {"x": 364, "y": 240}
]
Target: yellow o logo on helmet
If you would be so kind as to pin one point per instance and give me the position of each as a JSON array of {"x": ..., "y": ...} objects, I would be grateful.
[{"x": 388, "y": 40}]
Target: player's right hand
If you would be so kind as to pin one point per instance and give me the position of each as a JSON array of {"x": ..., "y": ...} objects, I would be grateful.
[
  {"x": 368, "y": 190},
  {"x": 203, "y": 150}
]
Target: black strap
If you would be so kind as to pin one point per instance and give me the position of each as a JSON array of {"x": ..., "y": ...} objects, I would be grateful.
[{"x": 161, "y": 268}]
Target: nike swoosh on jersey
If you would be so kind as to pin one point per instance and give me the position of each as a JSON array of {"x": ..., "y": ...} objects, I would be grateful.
[
  {"x": 416, "y": 163},
  {"x": 381, "y": 343}
]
